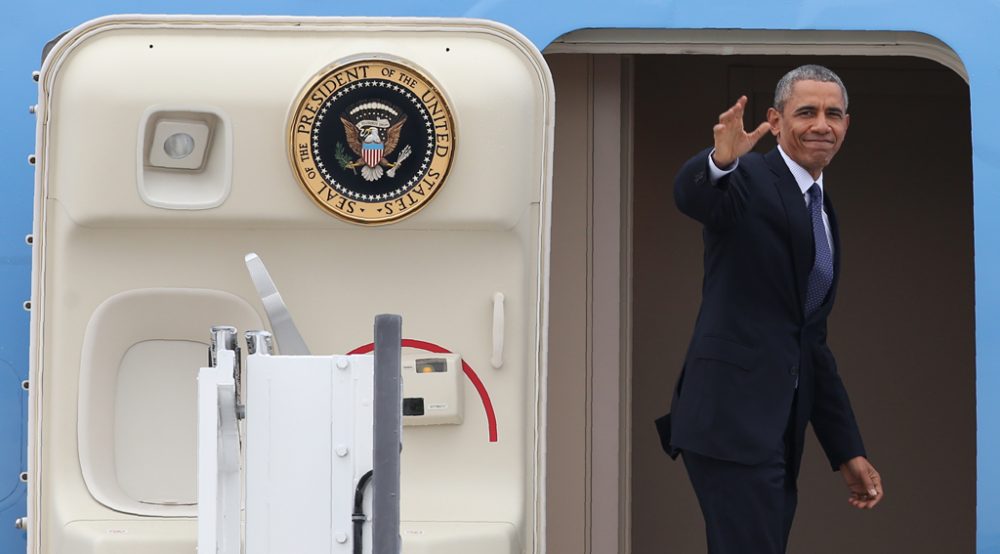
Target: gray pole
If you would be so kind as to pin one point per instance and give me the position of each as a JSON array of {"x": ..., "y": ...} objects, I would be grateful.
[{"x": 388, "y": 434}]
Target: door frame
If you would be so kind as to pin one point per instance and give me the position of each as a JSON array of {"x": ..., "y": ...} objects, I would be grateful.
[{"x": 608, "y": 481}]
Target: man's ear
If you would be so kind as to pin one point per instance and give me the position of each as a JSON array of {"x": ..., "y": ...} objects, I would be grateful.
[
  {"x": 774, "y": 119},
  {"x": 847, "y": 121}
]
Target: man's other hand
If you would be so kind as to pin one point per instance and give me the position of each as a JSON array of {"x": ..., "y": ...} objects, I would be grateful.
[
  {"x": 863, "y": 481},
  {"x": 731, "y": 140}
]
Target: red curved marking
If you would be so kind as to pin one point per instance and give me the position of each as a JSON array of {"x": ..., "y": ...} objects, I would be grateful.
[{"x": 484, "y": 395}]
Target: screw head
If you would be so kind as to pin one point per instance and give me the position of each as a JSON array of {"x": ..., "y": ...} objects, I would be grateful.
[
  {"x": 341, "y": 537},
  {"x": 342, "y": 450},
  {"x": 342, "y": 363}
]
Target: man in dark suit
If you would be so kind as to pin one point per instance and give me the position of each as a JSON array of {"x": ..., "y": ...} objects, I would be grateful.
[{"x": 758, "y": 369}]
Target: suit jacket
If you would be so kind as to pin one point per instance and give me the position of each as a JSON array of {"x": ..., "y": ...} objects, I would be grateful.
[{"x": 753, "y": 343}]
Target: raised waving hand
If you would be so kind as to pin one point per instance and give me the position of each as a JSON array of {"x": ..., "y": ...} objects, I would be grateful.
[{"x": 731, "y": 139}]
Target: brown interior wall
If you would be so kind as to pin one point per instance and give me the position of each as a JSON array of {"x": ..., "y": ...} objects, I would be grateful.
[
  {"x": 902, "y": 329},
  {"x": 568, "y": 426}
]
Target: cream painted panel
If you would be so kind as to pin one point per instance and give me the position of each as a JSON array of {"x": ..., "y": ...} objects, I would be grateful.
[
  {"x": 110, "y": 79},
  {"x": 326, "y": 291},
  {"x": 177, "y": 537},
  {"x": 128, "y": 537},
  {"x": 462, "y": 538},
  {"x": 137, "y": 418},
  {"x": 153, "y": 454},
  {"x": 485, "y": 232}
]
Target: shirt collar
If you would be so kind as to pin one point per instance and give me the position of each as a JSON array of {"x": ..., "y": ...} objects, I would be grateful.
[{"x": 802, "y": 177}]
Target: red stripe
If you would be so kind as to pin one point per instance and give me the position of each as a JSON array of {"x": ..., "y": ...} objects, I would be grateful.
[
  {"x": 484, "y": 395},
  {"x": 372, "y": 156}
]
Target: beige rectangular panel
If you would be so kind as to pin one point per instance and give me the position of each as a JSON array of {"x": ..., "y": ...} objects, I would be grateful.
[{"x": 134, "y": 260}]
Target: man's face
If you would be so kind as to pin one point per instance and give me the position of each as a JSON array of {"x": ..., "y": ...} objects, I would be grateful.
[{"x": 812, "y": 125}]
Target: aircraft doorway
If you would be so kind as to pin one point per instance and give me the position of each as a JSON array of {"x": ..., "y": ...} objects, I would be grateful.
[{"x": 902, "y": 330}]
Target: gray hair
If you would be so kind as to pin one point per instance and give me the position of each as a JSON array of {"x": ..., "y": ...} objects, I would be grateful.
[{"x": 805, "y": 73}]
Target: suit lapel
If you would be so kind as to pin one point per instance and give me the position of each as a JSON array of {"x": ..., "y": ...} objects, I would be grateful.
[{"x": 799, "y": 224}]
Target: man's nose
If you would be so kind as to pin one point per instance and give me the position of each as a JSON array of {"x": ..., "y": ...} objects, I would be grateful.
[{"x": 822, "y": 124}]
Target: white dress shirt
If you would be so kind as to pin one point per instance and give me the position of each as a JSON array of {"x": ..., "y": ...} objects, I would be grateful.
[{"x": 802, "y": 178}]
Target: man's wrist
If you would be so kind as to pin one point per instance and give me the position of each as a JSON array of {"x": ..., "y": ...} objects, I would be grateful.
[
  {"x": 848, "y": 459},
  {"x": 715, "y": 172},
  {"x": 731, "y": 165}
]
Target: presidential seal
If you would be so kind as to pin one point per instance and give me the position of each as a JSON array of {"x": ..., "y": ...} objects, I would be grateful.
[{"x": 371, "y": 141}]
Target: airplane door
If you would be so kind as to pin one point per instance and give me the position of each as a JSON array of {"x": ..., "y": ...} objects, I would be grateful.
[{"x": 377, "y": 165}]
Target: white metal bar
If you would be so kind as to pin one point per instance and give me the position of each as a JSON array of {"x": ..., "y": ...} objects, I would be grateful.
[
  {"x": 218, "y": 458},
  {"x": 342, "y": 403},
  {"x": 498, "y": 331},
  {"x": 208, "y": 453}
]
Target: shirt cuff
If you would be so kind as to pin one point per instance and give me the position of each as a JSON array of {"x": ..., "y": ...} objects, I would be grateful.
[{"x": 714, "y": 173}]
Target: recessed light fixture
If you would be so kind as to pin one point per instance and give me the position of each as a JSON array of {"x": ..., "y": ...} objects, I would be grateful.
[
  {"x": 184, "y": 157},
  {"x": 179, "y": 144}
]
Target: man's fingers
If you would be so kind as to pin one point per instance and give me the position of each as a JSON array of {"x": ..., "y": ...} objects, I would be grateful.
[
  {"x": 734, "y": 112},
  {"x": 731, "y": 140},
  {"x": 872, "y": 482},
  {"x": 867, "y": 493},
  {"x": 759, "y": 132},
  {"x": 857, "y": 503},
  {"x": 862, "y": 503},
  {"x": 868, "y": 504},
  {"x": 876, "y": 492},
  {"x": 740, "y": 104},
  {"x": 866, "y": 482}
]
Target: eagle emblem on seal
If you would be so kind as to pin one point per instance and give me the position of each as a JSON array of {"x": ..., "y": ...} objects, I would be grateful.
[{"x": 372, "y": 131}]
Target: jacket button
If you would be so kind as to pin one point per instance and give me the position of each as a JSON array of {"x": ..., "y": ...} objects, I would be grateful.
[{"x": 794, "y": 370}]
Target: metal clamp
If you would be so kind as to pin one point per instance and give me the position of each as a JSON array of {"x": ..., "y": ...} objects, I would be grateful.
[
  {"x": 259, "y": 342},
  {"x": 224, "y": 338}
]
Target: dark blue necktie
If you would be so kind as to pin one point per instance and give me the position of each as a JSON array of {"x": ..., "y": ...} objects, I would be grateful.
[{"x": 821, "y": 276}]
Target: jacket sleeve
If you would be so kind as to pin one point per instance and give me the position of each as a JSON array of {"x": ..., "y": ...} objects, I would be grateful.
[
  {"x": 718, "y": 206},
  {"x": 832, "y": 417}
]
